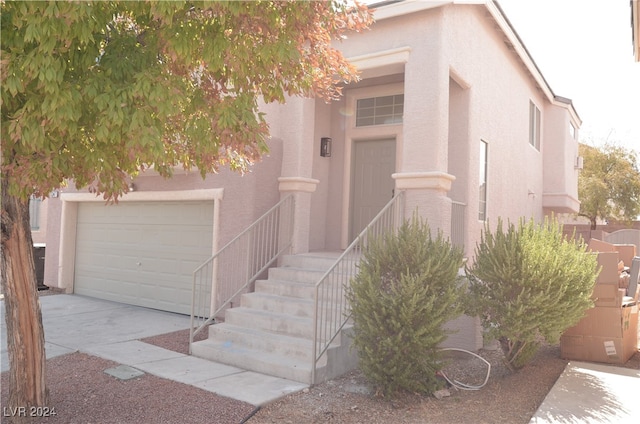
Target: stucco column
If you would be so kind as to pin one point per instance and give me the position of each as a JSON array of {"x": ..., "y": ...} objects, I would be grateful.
[
  {"x": 301, "y": 188},
  {"x": 426, "y": 193},
  {"x": 426, "y": 112},
  {"x": 296, "y": 128},
  {"x": 423, "y": 172}
]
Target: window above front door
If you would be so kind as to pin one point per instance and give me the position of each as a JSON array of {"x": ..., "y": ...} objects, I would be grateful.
[{"x": 379, "y": 110}]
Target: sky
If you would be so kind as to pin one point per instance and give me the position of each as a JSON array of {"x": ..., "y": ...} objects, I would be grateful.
[{"x": 583, "y": 49}]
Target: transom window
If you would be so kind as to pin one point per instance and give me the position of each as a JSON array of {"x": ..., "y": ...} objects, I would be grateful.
[{"x": 380, "y": 110}]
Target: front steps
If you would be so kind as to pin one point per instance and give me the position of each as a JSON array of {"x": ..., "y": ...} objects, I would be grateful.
[{"x": 271, "y": 332}]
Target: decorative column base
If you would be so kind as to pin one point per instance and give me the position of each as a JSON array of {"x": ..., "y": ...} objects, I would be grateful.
[
  {"x": 426, "y": 194},
  {"x": 301, "y": 188}
]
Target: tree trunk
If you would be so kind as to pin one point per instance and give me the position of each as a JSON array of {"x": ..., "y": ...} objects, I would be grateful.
[
  {"x": 25, "y": 334},
  {"x": 593, "y": 222}
]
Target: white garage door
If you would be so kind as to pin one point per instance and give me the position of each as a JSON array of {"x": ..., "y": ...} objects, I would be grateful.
[{"x": 142, "y": 253}]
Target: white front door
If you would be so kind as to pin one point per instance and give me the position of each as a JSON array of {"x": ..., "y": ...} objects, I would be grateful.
[{"x": 372, "y": 184}]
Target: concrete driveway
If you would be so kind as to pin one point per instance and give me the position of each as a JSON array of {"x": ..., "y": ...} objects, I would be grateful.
[{"x": 112, "y": 331}]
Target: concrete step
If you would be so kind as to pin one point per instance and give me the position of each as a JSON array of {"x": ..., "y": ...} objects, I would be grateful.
[
  {"x": 253, "y": 360},
  {"x": 286, "y": 288},
  {"x": 300, "y": 275},
  {"x": 315, "y": 261},
  {"x": 249, "y": 338},
  {"x": 270, "y": 321},
  {"x": 272, "y": 330},
  {"x": 285, "y": 305},
  {"x": 295, "y": 306}
]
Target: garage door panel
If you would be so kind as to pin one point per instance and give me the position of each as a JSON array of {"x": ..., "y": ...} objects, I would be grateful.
[{"x": 143, "y": 253}]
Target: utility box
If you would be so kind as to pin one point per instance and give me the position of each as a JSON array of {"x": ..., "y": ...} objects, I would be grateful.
[{"x": 38, "y": 259}]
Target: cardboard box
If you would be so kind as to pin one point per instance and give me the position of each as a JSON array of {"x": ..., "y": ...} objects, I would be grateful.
[
  {"x": 626, "y": 253},
  {"x": 606, "y": 322},
  {"x": 607, "y": 295},
  {"x": 609, "y": 272},
  {"x": 612, "y": 342},
  {"x": 596, "y": 245},
  {"x": 607, "y": 349}
]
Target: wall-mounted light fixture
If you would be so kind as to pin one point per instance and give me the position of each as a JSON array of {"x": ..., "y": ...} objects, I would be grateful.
[
  {"x": 132, "y": 187},
  {"x": 325, "y": 147}
]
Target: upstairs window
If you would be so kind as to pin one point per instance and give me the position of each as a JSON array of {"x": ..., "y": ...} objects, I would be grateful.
[
  {"x": 572, "y": 131},
  {"x": 379, "y": 110},
  {"x": 534, "y": 125}
]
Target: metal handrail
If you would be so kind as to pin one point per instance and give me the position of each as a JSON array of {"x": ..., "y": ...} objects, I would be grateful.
[
  {"x": 330, "y": 305},
  {"x": 231, "y": 271}
]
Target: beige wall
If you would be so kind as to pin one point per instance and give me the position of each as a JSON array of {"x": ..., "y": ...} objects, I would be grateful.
[
  {"x": 246, "y": 198},
  {"x": 462, "y": 84}
]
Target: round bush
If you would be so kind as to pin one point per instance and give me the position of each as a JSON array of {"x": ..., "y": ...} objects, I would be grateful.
[{"x": 407, "y": 288}]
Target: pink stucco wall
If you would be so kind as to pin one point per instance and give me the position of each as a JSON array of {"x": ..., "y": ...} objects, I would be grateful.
[
  {"x": 464, "y": 81},
  {"x": 462, "y": 84},
  {"x": 246, "y": 198}
]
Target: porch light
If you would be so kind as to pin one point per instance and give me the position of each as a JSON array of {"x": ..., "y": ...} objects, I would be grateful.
[{"x": 325, "y": 147}]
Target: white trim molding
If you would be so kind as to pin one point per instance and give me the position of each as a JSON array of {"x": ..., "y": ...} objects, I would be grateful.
[
  {"x": 305, "y": 185},
  {"x": 150, "y": 196},
  {"x": 379, "y": 59},
  {"x": 560, "y": 202},
  {"x": 420, "y": 180}
]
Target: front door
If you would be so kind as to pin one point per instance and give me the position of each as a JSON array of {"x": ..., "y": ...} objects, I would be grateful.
[{"x": 372, "y": 184}]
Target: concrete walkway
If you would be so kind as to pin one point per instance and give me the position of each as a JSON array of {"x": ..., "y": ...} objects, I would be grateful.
[
  {"x": 112, "y": 331},
  {"x": 584, "y": 393},
  {"x": 592, "y": 393}
]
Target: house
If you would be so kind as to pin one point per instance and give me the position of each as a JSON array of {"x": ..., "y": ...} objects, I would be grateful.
[{"x": 451, "y": 111}]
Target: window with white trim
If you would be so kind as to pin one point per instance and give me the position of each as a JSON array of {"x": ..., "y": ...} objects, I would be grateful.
[
  {"x": 572, "y": 130},
  {"x": 534, "y": 125},
  {"x": 484, "y": 160},
  {"x": 379, "y": 110}
]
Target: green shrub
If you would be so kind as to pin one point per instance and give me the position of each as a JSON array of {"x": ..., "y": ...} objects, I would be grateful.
[
  {"x": 404, "y": 293},
  {"x": 529, "y": 284}
]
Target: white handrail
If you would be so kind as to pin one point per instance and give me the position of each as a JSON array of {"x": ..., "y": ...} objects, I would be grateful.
[
  {"x": 330, "y": 289},
  {"x": 221, "y": 280}
]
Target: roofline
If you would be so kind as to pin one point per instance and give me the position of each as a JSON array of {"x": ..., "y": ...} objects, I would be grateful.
[{"x": 392, "y": 8}]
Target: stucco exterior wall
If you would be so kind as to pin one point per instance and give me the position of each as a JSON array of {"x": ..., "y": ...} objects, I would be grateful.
[
  {"x": 560, "y": 179},
  {"x": 462, "y": 84},
  {"x": 246, "y": 197}
]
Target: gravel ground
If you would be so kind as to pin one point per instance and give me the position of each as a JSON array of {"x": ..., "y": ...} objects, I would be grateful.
[
  {"x": 510, "y": 398},
  {"x": 82, "y": 393}
]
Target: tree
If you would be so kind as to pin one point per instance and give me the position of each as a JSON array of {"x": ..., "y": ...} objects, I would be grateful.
[
  {"x": 609, "y": 184},
  {"x": 406, "y": 290},
  {"x": 98, "y": 91},
  {"x": 529, "y": 283}
]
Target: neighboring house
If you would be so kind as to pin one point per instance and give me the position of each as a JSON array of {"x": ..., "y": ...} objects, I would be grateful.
[{"x": 451, "y": 109}]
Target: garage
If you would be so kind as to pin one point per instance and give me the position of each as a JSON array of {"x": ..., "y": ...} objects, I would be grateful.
[{"x": 142, "y": 253}]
